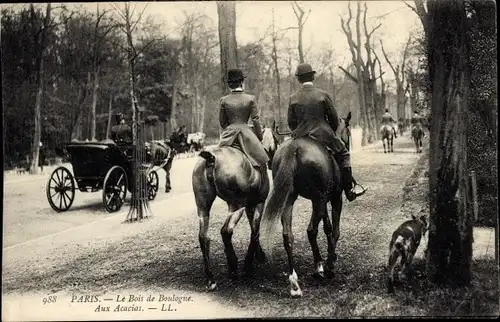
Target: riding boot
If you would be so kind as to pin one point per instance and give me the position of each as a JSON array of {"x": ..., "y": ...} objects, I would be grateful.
[
  {"x": 348, "y": 182},
  {"x": 395, "y": 134}
]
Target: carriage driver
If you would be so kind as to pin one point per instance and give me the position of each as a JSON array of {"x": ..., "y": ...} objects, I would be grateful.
[
  {"x": 387, "y": 119},
  {"x": 121, "y": 133},
  {"x": 311, "y": 113},
  {"x": 236, "y": 109}
]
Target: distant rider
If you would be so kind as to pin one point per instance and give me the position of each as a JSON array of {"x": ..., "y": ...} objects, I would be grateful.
[
  {"x": 387, "y": 119},
  {"x": 416, "y": 121}
]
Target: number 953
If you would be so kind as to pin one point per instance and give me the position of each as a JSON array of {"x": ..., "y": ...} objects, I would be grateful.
[{"x": 49, "y": 299}]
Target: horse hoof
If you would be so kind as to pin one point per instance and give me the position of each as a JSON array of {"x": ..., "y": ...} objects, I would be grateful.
[
  {"x": 233, "y": 276},
  {"x": 329, "y": 273},
  {"x": 319, "y": 275},
  {"x": 260, "y": 257},
  {"x": 296, "y": 293},
  {"x": 211, "y": 286},
  {"x": 248, "y": 268}
]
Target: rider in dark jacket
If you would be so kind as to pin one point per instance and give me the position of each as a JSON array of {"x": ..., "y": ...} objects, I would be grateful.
[
  {"x": 121, "y": 133},
  {"x": 387, "y": 119},
  {"x": 311, "y": 113},
  {"x": 235, "y": 111}
]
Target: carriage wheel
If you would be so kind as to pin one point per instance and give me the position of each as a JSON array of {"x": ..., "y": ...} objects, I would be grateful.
[
  {"x": 60, "y": 189},
  {"x": 114, "y": 189},
  {"x": 153, "y": 184}
]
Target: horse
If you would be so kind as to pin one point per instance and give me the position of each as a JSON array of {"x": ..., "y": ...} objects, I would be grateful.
[
  {"x": 228, "y": 174},
  {"x": 387, "y": 133},
  {"x": 401, "y": 127},
  {"x": 304, "y": 167},
  {"x": 417, "y": 133},
  {"x": 161, "y": 154},
  {"x": 270, "y": 144}
]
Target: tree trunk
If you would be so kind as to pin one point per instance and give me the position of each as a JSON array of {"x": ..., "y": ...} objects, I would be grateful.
[
  {"x": 300, "y": 46},
  {"x": 35, "y": 148},
  {"x": 227, "y": 39},
  {"x": 450, "y": 234},
  {"x": 202, "y": 115},
  {"x": 173, "y": 122},
  {"x": 38, "y": 129},
  {"x": 94, "y": 104},
  {"x": 110, "y": 112}
]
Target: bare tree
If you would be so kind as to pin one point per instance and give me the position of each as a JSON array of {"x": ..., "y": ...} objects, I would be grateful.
[
  {"x": 100, "y": 33},
  {"x": 400, "y": 74},
  {"x": 139, "y": 205},
  {"x": 301, "y": 21},
  {"x": 40, "y": 43},
  {"x": 365, "y": 72},
  {"x": 226, "y": 11}
]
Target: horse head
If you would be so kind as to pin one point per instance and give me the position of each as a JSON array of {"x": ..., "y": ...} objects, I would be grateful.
[{"x": 344, "y": 130}]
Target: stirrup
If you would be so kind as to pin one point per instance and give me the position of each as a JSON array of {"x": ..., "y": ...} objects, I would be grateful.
[{"x": 352, "y": 195}]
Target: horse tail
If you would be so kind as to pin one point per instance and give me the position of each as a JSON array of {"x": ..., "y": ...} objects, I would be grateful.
[
  {"x": 278, "y": 199},
  {"x": 209, "y": 165}
]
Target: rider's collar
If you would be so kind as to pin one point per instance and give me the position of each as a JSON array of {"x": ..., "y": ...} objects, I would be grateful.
[
  {"x": 307, "y": 84},
  {"x": 237, "y": 89}
]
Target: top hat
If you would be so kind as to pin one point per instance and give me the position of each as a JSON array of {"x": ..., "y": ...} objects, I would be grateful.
[
  {"x": 303, "y": 69},
  {"x": 234, "y": 75}
]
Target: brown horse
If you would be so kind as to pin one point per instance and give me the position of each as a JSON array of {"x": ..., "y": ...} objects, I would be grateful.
[
  {"x": 387, "y": 134},
  {"x": 161, "y": 155},
  {"x": 417, "y": 133},
  {"x": 304, "y": 167},
  {"x": 228, "y": 174}
]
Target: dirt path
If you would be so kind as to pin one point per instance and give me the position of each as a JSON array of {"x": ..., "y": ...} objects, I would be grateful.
[{"x": 161, "y": 256}]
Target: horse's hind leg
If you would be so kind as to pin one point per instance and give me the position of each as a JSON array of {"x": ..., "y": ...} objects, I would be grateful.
[
  {"x": 332, "y": 231},
  {"x": 383, "y": 142},
  {"x": 205, "y": 196},
  {"x": 392, "y": 144},
  {"x": 319, "y": 211},
  {"x": 235, "y": 213},
  {"x": 286, "y": 221},
  {"x": 254, "y": 249}
]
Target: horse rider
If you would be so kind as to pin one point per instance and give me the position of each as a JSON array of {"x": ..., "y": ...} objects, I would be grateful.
[
  {"x": 311, "y": 114},
  {"x": 236, "y": 109},
  {"x": 387, "y": 119},
  {"x": 416, "y": 121}
]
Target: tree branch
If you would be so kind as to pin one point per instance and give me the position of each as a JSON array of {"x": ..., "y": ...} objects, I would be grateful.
[
  {"x": 353, "y": 78},
  {"x": 388, "y": 61},
  {"x": 411, "y": 7}
]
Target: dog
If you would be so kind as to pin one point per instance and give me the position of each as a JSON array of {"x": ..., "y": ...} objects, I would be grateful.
[{"x": 404, "y": 243}]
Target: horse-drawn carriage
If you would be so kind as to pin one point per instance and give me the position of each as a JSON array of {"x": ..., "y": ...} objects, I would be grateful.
[{"x": 96, "y": 166}]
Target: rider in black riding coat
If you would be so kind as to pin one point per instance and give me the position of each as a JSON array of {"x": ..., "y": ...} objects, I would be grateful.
[{"x": 311, "y": 114}]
